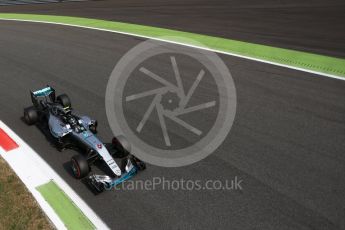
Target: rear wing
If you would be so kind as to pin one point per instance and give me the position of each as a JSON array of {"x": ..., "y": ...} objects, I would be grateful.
[{"x": 45, "y": 93}]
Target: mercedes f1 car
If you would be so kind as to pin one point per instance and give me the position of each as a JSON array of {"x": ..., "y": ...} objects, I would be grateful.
[{"x": 68, "y": 130}]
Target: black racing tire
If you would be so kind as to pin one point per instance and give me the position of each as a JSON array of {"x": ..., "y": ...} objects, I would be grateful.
[
  {"x": 64, "y": 100},
  {"x": 141, "y": 165},
  {"x": 30, "y": 115},
  {"x": 138, "y": 163},
  {"x": 122, "y": 146},
  {"x": 80, "y": 167}
]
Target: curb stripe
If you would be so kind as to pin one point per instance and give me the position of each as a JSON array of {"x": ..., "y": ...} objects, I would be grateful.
[
  {"x": 307, "y": 62},
  {"x": 64, "y": 207},
  {"x": 6, "y": 142}
]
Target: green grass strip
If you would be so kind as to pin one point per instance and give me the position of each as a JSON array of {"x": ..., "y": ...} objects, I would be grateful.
[
  {"x": 307, "y": 61},
  {"x": 64, "y": 207}
]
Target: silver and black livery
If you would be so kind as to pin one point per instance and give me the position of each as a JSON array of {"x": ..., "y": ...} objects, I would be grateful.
[{"x": 68, "y": 130}]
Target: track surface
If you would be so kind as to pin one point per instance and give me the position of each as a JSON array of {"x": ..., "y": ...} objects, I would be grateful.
[
  {"x": 311, "y": 25},
  {"x": 287, "y": 143}
]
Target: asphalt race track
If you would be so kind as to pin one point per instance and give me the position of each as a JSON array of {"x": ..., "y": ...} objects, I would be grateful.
[
  {"x": 311, "y": 25},
  {"x": 287, "y": 143}
]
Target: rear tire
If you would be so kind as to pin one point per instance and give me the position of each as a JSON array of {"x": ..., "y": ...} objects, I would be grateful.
[
  {"x": 80, "y": 167},
  {"x": 30, "y": 115},
  {"x": 64, "y": 100}
]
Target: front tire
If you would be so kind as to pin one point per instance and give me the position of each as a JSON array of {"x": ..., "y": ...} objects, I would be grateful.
[
  {"x": 121, "y": 145},
  {"x": 138, "y": 163},
  {"x": 80, "y": 167},
  {"x": 30, "y": 115}
]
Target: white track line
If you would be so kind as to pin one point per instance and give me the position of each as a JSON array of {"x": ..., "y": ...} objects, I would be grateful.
[
  {"x": 35, "y": 171},
  {"x": 183, "y": 44}
]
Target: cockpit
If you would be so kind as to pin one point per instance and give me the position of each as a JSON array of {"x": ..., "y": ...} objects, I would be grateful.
[{"x": 65, "y": 114}]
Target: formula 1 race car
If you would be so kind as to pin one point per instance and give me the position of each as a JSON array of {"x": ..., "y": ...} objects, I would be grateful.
[{"x": 68, "y": 130}]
